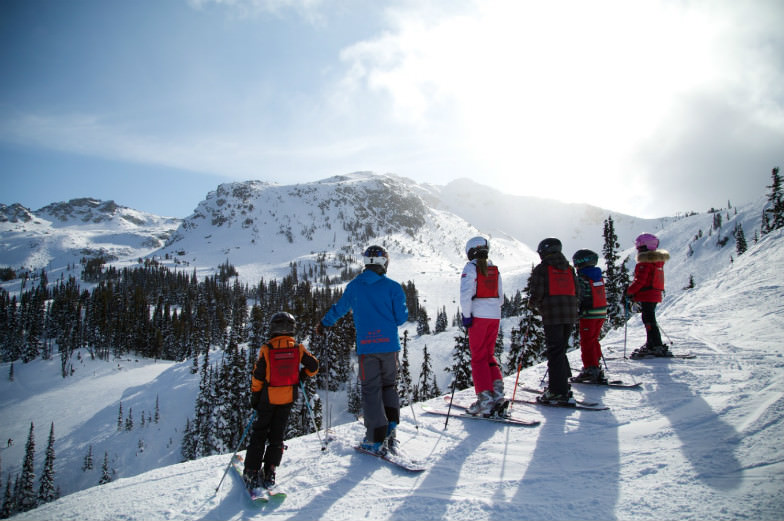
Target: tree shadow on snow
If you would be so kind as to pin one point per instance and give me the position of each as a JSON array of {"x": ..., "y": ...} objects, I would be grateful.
[
  {"x": 574, "y": 472},
  {"x": 708, "y": 442}
]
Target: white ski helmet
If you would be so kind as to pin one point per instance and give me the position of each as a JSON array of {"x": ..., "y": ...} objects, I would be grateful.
[{"x": 477, "y": 247}]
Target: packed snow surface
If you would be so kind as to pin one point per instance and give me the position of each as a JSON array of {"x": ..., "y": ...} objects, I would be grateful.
[{"x": 700, "y": 439}]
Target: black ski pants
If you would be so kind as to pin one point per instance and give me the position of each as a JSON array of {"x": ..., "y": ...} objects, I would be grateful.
[
  {"x": 266, "y": 441},
  {"x": 556, "y": 337},
  {"x": 652, "y": 333}
]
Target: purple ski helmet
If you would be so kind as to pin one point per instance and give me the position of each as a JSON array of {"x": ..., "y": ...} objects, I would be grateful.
[{"x": 646, "y": 242}]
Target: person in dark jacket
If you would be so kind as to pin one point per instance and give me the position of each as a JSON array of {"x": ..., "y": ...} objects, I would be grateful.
[
  {"x": 593, "y": 313},
  {"x": 647, "y": 288},
  {"x": 554, "y": 297},
  {"x": 281, "y": 365},
  {"x": 379, "y": 306}
]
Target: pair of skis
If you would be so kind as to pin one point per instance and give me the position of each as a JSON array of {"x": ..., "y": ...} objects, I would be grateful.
[{"x": 258, "y": 496}]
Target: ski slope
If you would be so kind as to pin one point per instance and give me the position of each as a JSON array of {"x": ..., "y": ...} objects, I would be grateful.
[{"x": 701, "y": 438}]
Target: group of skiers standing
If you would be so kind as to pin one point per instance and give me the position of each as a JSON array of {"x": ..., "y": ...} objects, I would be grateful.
[{"x": 561, "y": 295}]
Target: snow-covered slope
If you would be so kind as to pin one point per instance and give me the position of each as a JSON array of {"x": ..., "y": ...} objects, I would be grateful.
[
  {"x": 261, "y": 228},
  {"x": 63, "y": 233},
  {"x": 699, "y": 440}
]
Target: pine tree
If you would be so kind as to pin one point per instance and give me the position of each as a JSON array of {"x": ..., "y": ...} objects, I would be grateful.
[
  {"x": 425, "y": 387},
  {"x": 157, "y": 416},
  {"x": 120, "y": 418},
  {"x": 423, "y": 322},
  {"x": 46, "y": 489},
  {"x": 442, "y": 321},
  {"x": 498, "y": 352},
  {"x": 404, "y": 385},
  {"x": 106, "y": 474},
  {"x": 773, "y": 214},
  {"x": 129, "y": 420},
  {"x": 461, "y": 366},
  {"x": 616, "y": 278},
  {"x": 740, "y": 240},
  {"x": 526, "y": 342},
  {"x": 88, "y": 459},
  {"x": 355, "y": 398},
  {"x": 27, "y": 499},
  {"x": 8, "y": 507},
  {"x": 189, "y": 443}
]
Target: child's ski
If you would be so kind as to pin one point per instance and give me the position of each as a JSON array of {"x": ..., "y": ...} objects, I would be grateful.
[
  {"x": 579, "y": 404},
  {"x": 540, "y": 391},
  {"x": 609, "y": 383},
  {"x": 500, "y": 418}
]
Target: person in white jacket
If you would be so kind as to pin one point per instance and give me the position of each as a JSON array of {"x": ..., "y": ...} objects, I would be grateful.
[{"x": 481, "y": 296}]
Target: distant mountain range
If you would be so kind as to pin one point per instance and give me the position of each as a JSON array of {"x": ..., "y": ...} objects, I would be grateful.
[{"x": 263, "y": 228}]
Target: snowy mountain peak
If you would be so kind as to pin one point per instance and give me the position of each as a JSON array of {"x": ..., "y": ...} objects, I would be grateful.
[{"x": 16, "y": 213}]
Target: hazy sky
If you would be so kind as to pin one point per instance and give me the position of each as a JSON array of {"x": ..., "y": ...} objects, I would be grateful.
[{"x": 644, "y": 107}]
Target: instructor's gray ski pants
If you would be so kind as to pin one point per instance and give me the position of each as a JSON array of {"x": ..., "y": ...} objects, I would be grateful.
[{"x": 378, "y": 374}]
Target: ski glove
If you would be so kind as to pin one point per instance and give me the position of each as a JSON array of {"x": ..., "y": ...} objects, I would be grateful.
[
  {"x": 467, "y": 321},
  {"x": 255, "y": 398}
]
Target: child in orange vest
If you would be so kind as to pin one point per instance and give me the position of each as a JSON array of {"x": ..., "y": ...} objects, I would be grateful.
[{"x": 274, "y": 386}]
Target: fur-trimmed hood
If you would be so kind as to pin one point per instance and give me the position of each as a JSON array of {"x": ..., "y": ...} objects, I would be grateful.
[{"x": 653, "y": 256}]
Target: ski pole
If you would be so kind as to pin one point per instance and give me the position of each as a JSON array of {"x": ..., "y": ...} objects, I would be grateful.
[
  {"x": 520, "y": 363},
  {"x": 449, "y": 409},
  {"x": 252, "y": 417},
  {"x": 625, "y": 324},
  {"x": 328, "y": 423},
  {"x": 411, "y": 404},
  {"x": 665, "y": 333},
  {"x": 312, "y": 416}
]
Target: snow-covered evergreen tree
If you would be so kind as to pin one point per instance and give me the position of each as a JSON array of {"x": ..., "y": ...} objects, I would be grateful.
[
  {"x": 423, "y": 322},
  {"x": 461, "y": 362},
  {"x": 47, "y": 491},
  {"x": 88, "y": 459},
  {"x": 404, "y": 386},
  {"x": 616, "y": 277},
  {"x": 426, "y": 387},
  {"x": 106, "y": 474},
  {"x": 27, "y": 498},
  {"x": 442, "y": 321}
]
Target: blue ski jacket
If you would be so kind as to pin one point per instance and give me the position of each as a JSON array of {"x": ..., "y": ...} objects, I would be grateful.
[{"x": 379, "y": 307}]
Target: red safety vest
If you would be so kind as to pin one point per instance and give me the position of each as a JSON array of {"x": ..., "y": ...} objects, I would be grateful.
[
  {"x": 561, "y": 282},
  {"x": 487, "y": 285},
  {"x": 283, "y": 366},
  {"x": 598, "y": 294}
]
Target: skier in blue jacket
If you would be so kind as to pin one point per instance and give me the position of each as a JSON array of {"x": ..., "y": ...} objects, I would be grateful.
[{"x": 378, "y": 304}]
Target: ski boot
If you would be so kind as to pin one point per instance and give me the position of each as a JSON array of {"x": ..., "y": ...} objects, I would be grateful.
[
  {"x": 483, "y": 405},
  {"x": 392, "y": 445},
  {"x": 550, "y": 398},
  {"x": 268, "y": 476}
]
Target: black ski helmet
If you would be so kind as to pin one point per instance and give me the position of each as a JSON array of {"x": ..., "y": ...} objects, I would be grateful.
[
  {"x": 281, "y": 324},
  {"x": 548, "y": 246},
  {"x": 584, "y": 258}
]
